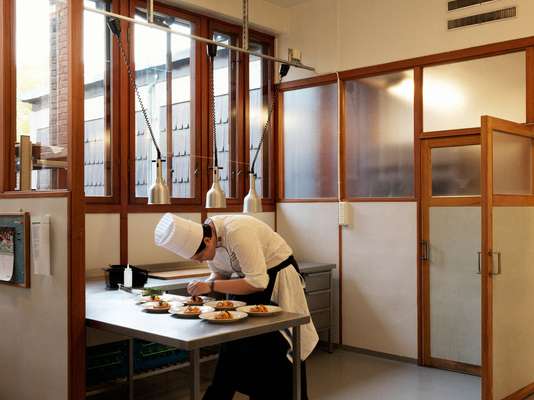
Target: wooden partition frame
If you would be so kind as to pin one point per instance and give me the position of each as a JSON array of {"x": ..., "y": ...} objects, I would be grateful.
[
  {"x": 490, "y": 200},
  {"x": 427, "y": 201}
]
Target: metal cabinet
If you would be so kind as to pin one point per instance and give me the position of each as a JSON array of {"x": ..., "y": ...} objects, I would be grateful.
[{"x": 318, "y": 279}]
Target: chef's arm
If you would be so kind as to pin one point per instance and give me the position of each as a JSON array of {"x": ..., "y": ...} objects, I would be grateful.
[
  {"x": 215, "y": 276},
  {"x": 234, "y": 286}
]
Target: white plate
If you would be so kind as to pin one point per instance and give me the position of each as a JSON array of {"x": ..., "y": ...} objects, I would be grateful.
[
  {"x": 272, "y": 310},
  {"x": 149, "y": 307},
  {"x": 210, "y": 317},
  {"x": 164, "y": 297},
  {"x": 235, "y": 304},
  {"x": 180, "y": 311}
]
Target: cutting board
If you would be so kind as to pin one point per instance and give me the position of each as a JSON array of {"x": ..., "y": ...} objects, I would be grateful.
[{"x": 181, "y": 273}]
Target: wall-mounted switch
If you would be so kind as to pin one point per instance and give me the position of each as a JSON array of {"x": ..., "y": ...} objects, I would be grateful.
[{"x": 344, "y": 213}]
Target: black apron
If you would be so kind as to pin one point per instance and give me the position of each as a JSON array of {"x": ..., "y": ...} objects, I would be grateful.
[{"x": 257, "y": 366}]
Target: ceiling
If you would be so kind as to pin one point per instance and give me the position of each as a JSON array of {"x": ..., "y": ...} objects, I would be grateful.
[{"x": 285, "y": 3}]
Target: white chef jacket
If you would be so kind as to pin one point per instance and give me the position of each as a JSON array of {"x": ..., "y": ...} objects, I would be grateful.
[{"x": 249, "y": 247}]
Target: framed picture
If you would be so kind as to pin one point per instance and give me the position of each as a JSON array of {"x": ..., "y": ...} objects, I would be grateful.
[{"x": 15, "y": 249}]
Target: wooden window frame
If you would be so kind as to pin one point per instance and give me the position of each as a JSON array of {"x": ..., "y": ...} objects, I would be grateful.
[{"x": 196, "y": 71}]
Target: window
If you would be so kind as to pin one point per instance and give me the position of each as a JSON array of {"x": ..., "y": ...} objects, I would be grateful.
[
  {"x": 163, "y": 68},
  {"x": 380, "y": 136},
  {"x": 41, "y": 138},
  {"x": 258, "y": 97},
  {"x": 310, "y": 142},
  {"x": 225, "y": 85},
  {"x": 97, "y": 111},
  {"x": 456, "y": 95}
]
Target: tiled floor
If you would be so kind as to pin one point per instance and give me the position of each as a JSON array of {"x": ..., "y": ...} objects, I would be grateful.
[
  {"x": 342, "y": 375},
  {"x": 350, "y": 376}
]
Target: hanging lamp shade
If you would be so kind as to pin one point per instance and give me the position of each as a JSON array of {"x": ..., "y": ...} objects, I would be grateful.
[
  {"x": 215, "y": 197},
  {"x": 252, "y": 203},
  {"x": 159, "y": 192}
]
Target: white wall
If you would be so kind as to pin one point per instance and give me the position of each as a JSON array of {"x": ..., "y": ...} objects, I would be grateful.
[
  {"x": 33, "y": 336},
  {"x": 380, "y": 278},
  {"x": 312, "y": 232},
  {"x": 263, "y": 15},
  {"x": 141, "y": 247},
  {"x": 345, "y": 34},
  {"x": 102, "y": 242}
]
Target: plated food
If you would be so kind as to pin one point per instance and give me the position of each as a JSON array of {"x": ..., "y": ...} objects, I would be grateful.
[
  {"x": 190, "y": 311},
  {"x": 157, "y": 306},
  {"x": 194, "y": 301},
  {"x": 223, "y": 317},
  {"x": 260, "y": 310},
  {"x": 226, "y": 304}
]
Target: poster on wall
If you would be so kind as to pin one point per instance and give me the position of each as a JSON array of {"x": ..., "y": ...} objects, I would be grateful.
[
  {"x": 15, "y": 249},
  {"x": 7, "y": 253}
]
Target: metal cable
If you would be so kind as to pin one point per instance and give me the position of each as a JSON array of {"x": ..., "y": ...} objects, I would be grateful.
[
  {"x": 212, "y": 113},
  {"x": 134, "y": 84},
  {"x": 266, "y": 126},
  {"x": 245, "y": 25}
]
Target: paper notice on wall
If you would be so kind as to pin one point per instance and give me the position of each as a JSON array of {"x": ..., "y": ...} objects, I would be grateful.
[
  {"x": 7, "y": 253},
  {"x": 41, "y": 245}
]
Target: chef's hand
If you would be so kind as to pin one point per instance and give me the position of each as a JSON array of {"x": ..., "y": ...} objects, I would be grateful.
[{"x": 198, "y": 288}]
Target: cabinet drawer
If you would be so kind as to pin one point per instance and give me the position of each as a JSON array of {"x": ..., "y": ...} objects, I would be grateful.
[
  {"x": 318, "y": 300},
  {"x": 321, "y": 319},
  {"x": 320, "y": 281}
]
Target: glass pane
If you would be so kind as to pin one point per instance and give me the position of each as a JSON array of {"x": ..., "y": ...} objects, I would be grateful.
[
  {"x": 380, "y": 138},
  {"x": 512, "y": 164},
  {"x": 310, "y": 142},
  {"x": 456, "y": 171},
  {"x": 97, "y": 140},
  {"x": 455, "y": 291},
  {"x": 150, "y": 49},
  {"x": 513, "y": 327},
  {"x": 456, "y": 95},
  {"x": 224, "y": 80},
  {"x": 183, "y": 134},
  {"x": 42, "y": 93},
  {"x": 258, "y": 110}
]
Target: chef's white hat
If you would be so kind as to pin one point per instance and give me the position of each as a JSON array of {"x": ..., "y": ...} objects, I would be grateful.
[{"x": 179, "y": 235}]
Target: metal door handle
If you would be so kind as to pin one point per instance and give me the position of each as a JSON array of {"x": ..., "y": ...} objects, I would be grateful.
[
  {"x": 425, "y": 250},
  {"x": 499, "y": 265},
  {"x": 499, "y": 270}
]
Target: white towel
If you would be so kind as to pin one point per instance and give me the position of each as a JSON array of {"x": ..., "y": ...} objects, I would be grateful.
[{"x": 288, "y": 293}]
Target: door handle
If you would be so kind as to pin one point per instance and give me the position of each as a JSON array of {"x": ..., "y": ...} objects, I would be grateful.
[
  {"x": 425, "y": 250},
  {"x": 499, "y": 264},
  {"x": 499, "y": 270}
]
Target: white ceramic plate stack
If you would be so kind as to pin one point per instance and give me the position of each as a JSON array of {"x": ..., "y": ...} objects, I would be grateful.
[
  {"x": 226, "y": 305},
  {"x": 211, "y": 317},
  {"x": 271, "y": 310},
  {"x": 180, "y": 312}
]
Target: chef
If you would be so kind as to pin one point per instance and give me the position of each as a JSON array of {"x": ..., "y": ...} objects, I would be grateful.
[{"x": 252, "y": 263}]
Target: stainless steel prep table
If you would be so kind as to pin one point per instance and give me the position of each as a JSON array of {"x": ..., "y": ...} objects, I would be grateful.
[{"x": 116, "y": 311}]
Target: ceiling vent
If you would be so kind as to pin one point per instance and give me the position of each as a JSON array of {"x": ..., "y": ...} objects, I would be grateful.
[
  {"x": 458, "y": 4},
  {"x": 482, "y": 18}
]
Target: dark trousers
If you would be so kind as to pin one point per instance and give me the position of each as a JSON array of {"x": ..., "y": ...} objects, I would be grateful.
[{"x": 257, "y": 366}]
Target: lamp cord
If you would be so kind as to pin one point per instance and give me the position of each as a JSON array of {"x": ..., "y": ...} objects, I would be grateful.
[
  {"x": 134, "y": 84},
  {"x": 267, "y": 124},
  {"x": 212, "y": 113}
]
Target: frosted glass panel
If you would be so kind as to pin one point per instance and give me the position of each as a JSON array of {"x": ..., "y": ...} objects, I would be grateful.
[
  {"x": 379, "y": 136},
  {"x": 455, "y": 234},
  {"x": 513, "y": 300},
  {"x": 512, "y": 164},
  {"x": 310, "y": 142},
  {"x": 456, "y": 95},
  {"x": 456, "y": 171}
]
